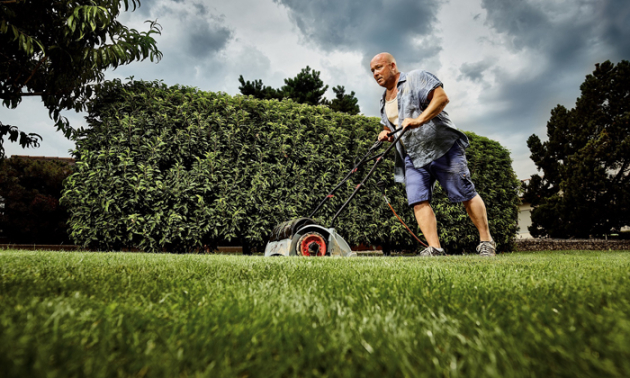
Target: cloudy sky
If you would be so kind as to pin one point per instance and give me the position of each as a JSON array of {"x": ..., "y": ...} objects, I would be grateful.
[{"x": 504, "y": 63}]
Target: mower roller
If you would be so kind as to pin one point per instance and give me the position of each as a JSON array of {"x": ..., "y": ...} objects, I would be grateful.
[{"x": 305, "y": 236}]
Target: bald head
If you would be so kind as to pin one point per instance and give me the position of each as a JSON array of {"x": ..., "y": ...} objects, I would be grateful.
[
  {"x": 384, "y": 69},
  {"x": 384, "y": 57}
]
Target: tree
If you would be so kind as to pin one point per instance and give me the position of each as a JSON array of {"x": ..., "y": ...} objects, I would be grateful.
[
  {"x": 343, "y": 102},
  {"x": 305, "y": 88},
  {"x": 30, "y": 191},
  {"x": 257, "y": 89},
  {"x": 59, "y": 50},
  {"x": 584, "y": 189}
]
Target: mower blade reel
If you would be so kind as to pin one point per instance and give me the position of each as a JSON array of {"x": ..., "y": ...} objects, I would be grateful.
[{"x": 282, "y": 241}]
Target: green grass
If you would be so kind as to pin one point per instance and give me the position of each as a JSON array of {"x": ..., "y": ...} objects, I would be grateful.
[{"x": 123, "y": 314}]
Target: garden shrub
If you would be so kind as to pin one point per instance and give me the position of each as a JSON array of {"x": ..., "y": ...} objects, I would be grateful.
[
  {"x": 179, "y": 169},
  {"x": 29, "y": 192}
]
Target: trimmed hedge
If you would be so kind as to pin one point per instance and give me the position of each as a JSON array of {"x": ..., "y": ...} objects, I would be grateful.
[{"x": 178, "y": 169}]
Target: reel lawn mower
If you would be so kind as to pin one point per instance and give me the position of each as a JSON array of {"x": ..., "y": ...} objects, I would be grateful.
[{"x": 306, "y": 237}]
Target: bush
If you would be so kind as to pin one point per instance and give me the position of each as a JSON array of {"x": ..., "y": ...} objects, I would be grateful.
[
  {"x": 31, "y": 191},
  {"x": 176, "y": 169}
]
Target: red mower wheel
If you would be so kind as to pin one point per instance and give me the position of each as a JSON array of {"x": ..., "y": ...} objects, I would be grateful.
[{"x": 311, "y": 244}]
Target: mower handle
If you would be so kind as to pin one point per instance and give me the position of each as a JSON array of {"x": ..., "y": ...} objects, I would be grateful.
[
  {"x": 357, "y": 163},
  {"x": 389, "y": 135},
  {"x": 356, "y": 189}
]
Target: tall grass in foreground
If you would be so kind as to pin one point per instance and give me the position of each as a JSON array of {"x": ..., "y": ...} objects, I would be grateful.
[{"x": 115, "y": 314}]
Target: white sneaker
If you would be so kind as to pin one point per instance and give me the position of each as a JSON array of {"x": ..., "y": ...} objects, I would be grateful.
[
  {"x": 431, "y": 251},
  {"x": 487, "y": 248}
]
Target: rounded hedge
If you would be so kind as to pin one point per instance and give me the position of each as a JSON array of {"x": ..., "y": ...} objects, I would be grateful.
[{"x": 178, "y": 169}]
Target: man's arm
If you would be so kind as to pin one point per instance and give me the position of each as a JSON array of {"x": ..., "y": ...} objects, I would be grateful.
[{"x": 437, "y": 102}]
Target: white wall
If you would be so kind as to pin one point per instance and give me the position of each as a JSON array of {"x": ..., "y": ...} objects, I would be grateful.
[{"x": 524, "y": 220}]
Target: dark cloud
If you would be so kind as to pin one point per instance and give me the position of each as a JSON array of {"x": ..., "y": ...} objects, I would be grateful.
[
  {"x": 207, "y": 36},
  {"x": 616, "y": 29},
  {"x": 200, "y": 33},
  {"x": 474, "y": 71},
  {"x": 564, "y": 40},
  {"x": 525, "y": 22},
  {"x": 405, "y": 28},
  {"x": 562, "y": 31},
  {"x": 530, "y": 26},
  {"x": 558, "y": 43}
]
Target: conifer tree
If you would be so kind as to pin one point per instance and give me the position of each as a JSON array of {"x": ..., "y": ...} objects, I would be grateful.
[
  {"x": 584, "y": 188},
  {"x": 346, "y": 103},
  {"x": 305, "y": 88}
]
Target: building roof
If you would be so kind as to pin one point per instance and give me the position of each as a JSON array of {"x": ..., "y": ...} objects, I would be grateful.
[{"x": 46, "y": 158}]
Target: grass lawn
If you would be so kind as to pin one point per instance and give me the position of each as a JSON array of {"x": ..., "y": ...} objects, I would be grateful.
[{"x": 124, "y": 314}]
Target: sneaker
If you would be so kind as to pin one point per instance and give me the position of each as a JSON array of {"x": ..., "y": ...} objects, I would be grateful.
[
  {"x": 487, "y": 248},
  {"x": 432, "y": 251}
]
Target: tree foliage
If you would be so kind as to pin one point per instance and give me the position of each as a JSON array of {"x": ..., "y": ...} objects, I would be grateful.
[
  {"x": 176, "y": 169},
  {"x": 305, "y": 88},
  {"x": 15, "y": 135},
  {"x": 257, "y": 89},
  {"x": 58, "y": 50},
  {"x": 584, "y": 189},
  {"x": 30, "y": 191},
  {"x": 343, "y": 102}
]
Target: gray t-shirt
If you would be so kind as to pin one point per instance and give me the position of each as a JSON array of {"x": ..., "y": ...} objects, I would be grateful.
[{"x": 430, "y": 141}]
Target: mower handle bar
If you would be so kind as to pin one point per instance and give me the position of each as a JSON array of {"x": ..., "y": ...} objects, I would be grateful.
[
  {"x": 389, "y": 135},
  {"x": 378, "y": 160},
  {"x": 363, "y": 160}
]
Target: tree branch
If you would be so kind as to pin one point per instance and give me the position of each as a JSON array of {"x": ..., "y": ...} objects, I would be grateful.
[
  {"x": 35, "y": 69},
  {"x": 621, "y": 173}
]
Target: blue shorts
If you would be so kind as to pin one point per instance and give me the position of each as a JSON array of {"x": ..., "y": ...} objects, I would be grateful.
[{"x": 451, "y": 170}]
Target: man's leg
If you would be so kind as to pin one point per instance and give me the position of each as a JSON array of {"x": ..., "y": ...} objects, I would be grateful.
[
  {"x": 419, "y": 186},
  {"x": 476, "y": 210},
  {"x": 427, "y": 222}
]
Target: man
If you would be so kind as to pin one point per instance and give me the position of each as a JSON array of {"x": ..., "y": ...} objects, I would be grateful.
[{"x": 432, "y": 150}]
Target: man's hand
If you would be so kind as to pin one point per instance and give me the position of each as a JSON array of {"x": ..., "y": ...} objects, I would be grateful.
[
  {"x": 383, "y": 136},
  {"x": 412, "y": 123}
]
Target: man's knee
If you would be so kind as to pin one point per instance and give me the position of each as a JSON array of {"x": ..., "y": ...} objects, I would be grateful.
[
  {"x": 421, "y": 205},
  {"x": 472, "y": 200}
]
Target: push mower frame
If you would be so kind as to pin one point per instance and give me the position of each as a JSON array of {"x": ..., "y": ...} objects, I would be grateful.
[{"x": 306, "y": 237}]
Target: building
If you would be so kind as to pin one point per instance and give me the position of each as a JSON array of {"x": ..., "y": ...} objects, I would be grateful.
[
  {"x": 67, "y": 160},
  {"x": 524, "y": 217}
]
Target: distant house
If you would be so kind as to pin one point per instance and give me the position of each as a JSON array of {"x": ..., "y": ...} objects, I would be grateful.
[
  {"x": 524, "y": 217},
  {"x": 45, "y": 158}
]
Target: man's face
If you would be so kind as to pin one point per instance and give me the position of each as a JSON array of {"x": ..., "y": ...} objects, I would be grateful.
[{"x": 382, "y": 70}]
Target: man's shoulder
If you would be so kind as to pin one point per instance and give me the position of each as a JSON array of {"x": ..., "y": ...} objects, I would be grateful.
[
  {"x": 422, "y": 78},
  {"x": 417, "y": 73}
]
